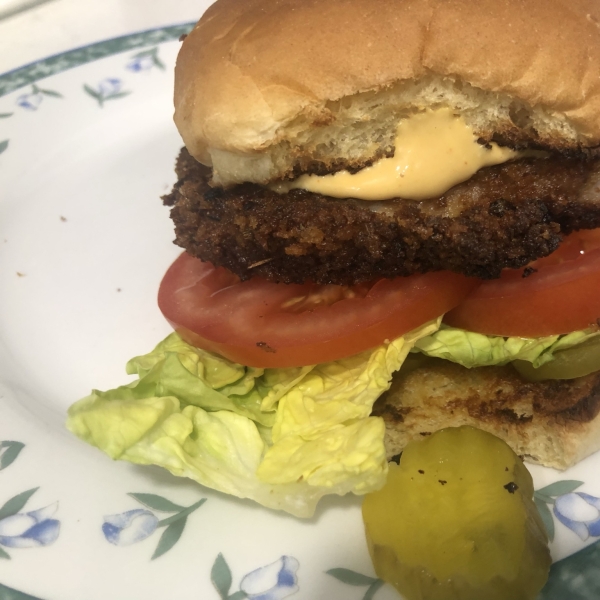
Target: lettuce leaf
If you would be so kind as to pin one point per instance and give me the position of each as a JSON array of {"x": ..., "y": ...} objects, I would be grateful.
[
  {"x": 283, "y": 437},
  {"x": 478, "y": 350}
]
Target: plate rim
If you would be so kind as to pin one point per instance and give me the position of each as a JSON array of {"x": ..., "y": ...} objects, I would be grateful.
[{"x": 54, "y": 64}]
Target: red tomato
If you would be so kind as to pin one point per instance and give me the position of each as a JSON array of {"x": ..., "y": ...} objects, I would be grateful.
[
  {"x": 263, "y": 324},
  {"x": 560, "y": 295}
]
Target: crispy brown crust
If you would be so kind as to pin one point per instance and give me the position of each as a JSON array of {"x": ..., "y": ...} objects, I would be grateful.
[
  {"x": 504, "y": 216},
  {"x": 552, "y": 422}
]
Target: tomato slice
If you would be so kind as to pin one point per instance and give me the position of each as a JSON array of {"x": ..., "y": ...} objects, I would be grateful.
[
  {"x": 554, "y": 295},
  {"x": 262, "y": 324}
]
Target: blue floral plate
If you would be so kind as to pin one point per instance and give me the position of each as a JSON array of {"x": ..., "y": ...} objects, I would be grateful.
[{"x": 87, "y": 146}]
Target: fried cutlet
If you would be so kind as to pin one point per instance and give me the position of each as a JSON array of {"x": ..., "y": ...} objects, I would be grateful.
[{"x": 503, "y": 217}]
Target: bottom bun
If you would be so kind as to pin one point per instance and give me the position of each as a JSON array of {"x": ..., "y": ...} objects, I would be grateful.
[{"x": 554, "y": 423}]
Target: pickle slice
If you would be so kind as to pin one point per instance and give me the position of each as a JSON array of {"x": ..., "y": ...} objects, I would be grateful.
[
  {"x": 456, "y": 521},
  {"x": 577, "y": 361}
]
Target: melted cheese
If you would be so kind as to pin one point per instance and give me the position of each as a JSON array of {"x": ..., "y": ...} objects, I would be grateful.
[{"x": 434, "y": 150}]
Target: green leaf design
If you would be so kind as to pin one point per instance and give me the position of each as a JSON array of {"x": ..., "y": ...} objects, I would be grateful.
[
  {"x": 16, "y": 503},
  {"x": 35, "y": 89},
  {"x": 91, "y": 91},
  {"x": 559, "y": 488},
  {"x": 373, "y": 590},
  {"x": 7, "y": 593},
  {"x": 220, "y": 575},
  {"x": 153, "y": 54},
  {"x": 547, "y": 517},
  {"x": 94, "y": 94},
  {"x": 6, "y": 115},
  {"x": 12, "y": 448},
  {"x": 169, "y": 537},
  {"x": 543, "y": 497},
  {"x": 3, "y": 146},
  {"x": 183, "y": 514},
  {"x": 156, "y": 502},
  {"x": 5, "y": 555},
  {"x": 238, "y": 595},
  {"x": 157, "y": 62},
  {"x": 144, "y": 53},
  {"x": 351, "y": 577},
  {"x": 117, "y": 95},
  {"x": 51, "y": 93}
]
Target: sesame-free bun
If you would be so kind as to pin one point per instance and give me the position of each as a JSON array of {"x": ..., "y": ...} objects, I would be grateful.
[
  {"x": 266, "y": 89},
  {"x": 554, "y": 423}
]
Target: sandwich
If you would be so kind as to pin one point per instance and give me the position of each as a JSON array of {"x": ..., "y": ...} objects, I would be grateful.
[{"x": 389, "y": 212}]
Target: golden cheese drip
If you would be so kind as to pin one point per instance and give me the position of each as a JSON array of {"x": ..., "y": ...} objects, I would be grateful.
[{"x": 434, "y": 151}]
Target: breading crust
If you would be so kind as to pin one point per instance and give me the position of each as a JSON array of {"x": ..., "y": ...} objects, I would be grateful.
[{"x": 504, "y": 216}]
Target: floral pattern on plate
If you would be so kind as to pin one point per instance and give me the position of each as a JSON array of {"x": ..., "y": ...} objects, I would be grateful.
[
  {"x": 579, "y": 511},
  {"x": 145, "y": 61},
  {"x": 110, "y": 88},
  {"x": 353, "y": 578},
  {"x": 77, "y": 57},
  {"x": 19, "y": 529},
  {"x": 274, "y": 581},
  {"x": 32, "y": 100},
  {"x": 27, "y": 529},
  {"x": 9, "y": 451},
  {"x": 136, "y": 525},
  {"x": 4, "y": 143}
]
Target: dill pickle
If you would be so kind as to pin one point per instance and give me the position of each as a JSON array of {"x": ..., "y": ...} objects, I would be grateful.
[
  {"x": 577, "y": 361},
  {"x": 456, "y": 521}
]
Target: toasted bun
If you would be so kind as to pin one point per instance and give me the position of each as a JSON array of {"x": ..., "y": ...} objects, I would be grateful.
[
  {"x": 266, "y": 89},
  {"x": 550, "y": 423}
]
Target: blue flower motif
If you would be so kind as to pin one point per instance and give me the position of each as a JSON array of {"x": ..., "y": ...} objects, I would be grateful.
[
  {"x": 579, "y": 512},
  {"x": 272, "y": 582},
  {"x": 145, "y": 61},
  {"x": 30, "y": 529},
  {"x": 110, "y": 86},
  {"x": 129, "y": 527},
  {"x": 135, "y": 525},
  {"x": 33, "y": 99},
  {"x": 140, "y": 63},
  {"x": 30, "y": 101}
]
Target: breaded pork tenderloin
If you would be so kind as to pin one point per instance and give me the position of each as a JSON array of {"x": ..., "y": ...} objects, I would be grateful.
[{"x": 504, "y": 216}]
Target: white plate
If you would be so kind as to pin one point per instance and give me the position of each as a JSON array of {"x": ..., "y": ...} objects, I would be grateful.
[
  {"x": 11, "y": 7},
  {"x": 87, "y": 146}
]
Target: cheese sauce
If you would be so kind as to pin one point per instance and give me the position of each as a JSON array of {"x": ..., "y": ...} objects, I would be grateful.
[{"x": 435, "y": 150}]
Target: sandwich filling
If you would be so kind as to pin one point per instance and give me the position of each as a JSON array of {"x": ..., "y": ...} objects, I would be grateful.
[
  {"x": 504, "y": 216},
  {"x": 300, "y": 307},
  {"x": 434, "y": 151}
]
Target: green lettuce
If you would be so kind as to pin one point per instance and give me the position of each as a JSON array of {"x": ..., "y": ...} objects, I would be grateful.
[
  {"x": 282, "y": 437},
  {"x": 477, "y": 350}
]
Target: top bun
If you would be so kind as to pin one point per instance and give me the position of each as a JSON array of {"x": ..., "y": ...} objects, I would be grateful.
[{"x": 266, "y": 89}]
